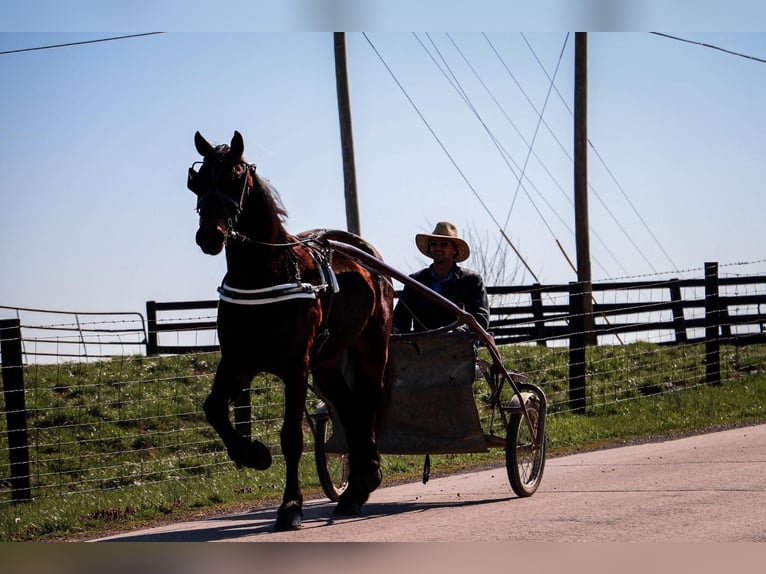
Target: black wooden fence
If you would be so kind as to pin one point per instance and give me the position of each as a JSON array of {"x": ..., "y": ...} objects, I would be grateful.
[
  {"x": 672, "y": 310},
  {"x": 547, "y": 315}
]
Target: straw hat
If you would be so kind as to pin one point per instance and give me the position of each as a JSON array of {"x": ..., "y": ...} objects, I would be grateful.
[{"x": 444, "y": 230}]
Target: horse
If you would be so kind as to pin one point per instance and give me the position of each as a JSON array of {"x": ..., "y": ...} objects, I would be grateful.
[{"x": 292, "y": 307}]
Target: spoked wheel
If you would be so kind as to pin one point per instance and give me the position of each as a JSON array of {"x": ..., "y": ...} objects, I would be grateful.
[
  {"x": 525, "y": 460},
  {"x": 332, "y": 467}
]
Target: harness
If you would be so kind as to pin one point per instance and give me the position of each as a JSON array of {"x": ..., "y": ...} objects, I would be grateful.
[
  {"x": 288, "y": 291},
  {"x": 284, "y": 291},
  {"x": 274, "y": 294}
]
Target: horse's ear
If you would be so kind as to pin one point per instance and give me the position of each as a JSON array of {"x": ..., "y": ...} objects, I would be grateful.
[
  {"x": 237, "y": 145},
  {"x": 202, "y": 145}
]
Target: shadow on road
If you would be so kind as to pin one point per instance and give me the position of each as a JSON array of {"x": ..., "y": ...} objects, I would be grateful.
[{"x": 261, "y": 522}]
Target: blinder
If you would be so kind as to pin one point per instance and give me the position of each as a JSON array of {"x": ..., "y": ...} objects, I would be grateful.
[{"x": 191, "y": 179}]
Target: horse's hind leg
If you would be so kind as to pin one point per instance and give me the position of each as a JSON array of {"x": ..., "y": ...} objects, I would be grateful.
[
  {"x": 365, "y": 474},
  {"x": 368, "y": 358},
  {"x": 357, "y": 410},
  {"x": 226, "y": 386}
]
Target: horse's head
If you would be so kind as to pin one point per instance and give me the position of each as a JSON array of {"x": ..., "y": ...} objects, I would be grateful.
[{"x": 221, "y": 184}]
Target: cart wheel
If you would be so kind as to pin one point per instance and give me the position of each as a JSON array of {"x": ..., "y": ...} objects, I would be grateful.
[
  {"x": 332, "y": 468},
  {"x": 524, "y": 460}
]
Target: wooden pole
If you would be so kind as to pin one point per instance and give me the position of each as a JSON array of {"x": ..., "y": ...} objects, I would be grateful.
[
  {"x": 346, "y": 135},
  {"x": 582, "y": 231}
]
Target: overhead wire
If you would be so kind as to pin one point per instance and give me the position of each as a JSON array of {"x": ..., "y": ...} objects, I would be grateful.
[
  {"x": 504, "y": 153},
  {"x": 449, "y": 74},
  {"x": 541, "y": 163},
  {"x": 561, "y": 146},
  {"x": 609, "y": 171},
  {"x": 540, "y": 116},
  {"x": 79, "y": 43},
  {"x": 506, "y": 156},
  {"x": 550, "y": 130},
  {"x": 711, "y": 46},
  {"x": 620, "y": 226},
  {"x": 455, "y": 83},
  {"x": 447, "y": 153}
]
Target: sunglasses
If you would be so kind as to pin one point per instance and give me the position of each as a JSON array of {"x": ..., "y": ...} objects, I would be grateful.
[{"x": 433, "y": 243}]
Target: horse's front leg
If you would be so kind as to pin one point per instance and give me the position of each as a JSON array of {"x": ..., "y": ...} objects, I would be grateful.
[
  {"x": 226, "y": 387},
  {"x": 290, "y": 513}
]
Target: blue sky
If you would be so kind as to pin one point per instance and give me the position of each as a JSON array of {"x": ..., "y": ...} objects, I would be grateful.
[{"x": 97, "y": 138}]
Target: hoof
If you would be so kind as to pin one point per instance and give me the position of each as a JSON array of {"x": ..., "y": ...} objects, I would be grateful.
[
  {"x": 289, "y": 517},
  {"x": 373, "y": 480},
  {"x": 250, "y": 454},
  {"x": 349, "y": 506}
]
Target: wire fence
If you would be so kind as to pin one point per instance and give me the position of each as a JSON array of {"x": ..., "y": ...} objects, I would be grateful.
[
  {"x": 101, "y": 415},
  {"x": 51, "y": 336}
]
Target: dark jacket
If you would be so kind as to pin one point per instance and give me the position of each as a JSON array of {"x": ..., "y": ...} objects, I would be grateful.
[{"x": 465, "y": 288}]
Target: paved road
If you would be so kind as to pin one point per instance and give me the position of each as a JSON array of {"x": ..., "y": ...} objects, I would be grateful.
[{"x": 709, "y": 487}]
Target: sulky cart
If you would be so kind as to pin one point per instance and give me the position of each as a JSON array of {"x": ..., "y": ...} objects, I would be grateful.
[{"x": 434, "y": 409}]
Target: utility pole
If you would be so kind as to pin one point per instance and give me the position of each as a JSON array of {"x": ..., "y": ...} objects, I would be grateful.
[
  {"x": 346, "y": 135},
  {"x": 582, "y": 229}
]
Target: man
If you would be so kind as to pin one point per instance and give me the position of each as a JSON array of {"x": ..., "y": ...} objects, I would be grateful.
[{"x": 464, "y": 287}]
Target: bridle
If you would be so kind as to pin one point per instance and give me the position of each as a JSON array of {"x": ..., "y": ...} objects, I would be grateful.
[{"x": 235, "y": 204}]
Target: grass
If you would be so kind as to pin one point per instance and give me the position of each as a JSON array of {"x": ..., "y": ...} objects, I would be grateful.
[{"x": 120, "y": 443}]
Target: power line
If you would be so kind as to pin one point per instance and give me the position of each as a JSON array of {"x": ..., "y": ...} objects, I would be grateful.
[
  {"x": 503, "y": 152},
  {"x": 542, "y": 121},
  {"x": 449, "y": 156},
  {"x": 452, "y": 79},
  {"x": 619, "y": 187},
  {"x": 711, "y": 46},
  {"x": 80, "y": 43}
]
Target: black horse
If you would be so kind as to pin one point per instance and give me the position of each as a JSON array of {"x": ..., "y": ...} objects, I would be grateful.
[{"x": 292, "y": 307}]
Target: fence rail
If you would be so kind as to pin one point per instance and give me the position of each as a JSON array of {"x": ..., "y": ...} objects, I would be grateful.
[{"x": 192, "y": 326}]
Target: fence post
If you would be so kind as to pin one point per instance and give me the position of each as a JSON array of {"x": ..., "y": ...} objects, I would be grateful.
[
  {"x": 15, "y": 408},
  {"x": 712, "y": 324},
  {"x": 537, "y": 312},
  {"x": 151, "y": 328},
  {"x": 679, "y": 323},
  {"x": 577, "y": 344}
]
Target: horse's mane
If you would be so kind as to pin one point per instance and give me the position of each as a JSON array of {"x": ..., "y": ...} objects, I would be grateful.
[
  {"x": 268, "y": 193},
  {"x": 271, "y": 198},
  {"x": 264, "y": 209}
]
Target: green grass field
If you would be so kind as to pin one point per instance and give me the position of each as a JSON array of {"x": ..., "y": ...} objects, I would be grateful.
[{"x": 119, "y": 443}]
